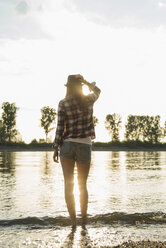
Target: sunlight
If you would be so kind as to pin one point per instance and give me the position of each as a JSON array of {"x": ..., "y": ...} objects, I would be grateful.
[
  {"x": 123, "y": 179},
  {"x": 76, "y": 191},
  {"x": 85, "y": 90}
]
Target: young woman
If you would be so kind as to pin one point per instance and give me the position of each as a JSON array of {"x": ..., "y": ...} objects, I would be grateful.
[{"x": 74, "y": 132}]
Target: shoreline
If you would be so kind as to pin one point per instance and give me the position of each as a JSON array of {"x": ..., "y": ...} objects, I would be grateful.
[
  {"x": 142, "y": 243},
  {"x": 104, "y": 149}
]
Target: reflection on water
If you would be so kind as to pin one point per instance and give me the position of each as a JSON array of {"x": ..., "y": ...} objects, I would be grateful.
[
  {"x": 127, "y": 200},
  {"x": 143, "y": 160},
  {"x": 31, "y": 184},
  {"x": 7, "y": 162}
]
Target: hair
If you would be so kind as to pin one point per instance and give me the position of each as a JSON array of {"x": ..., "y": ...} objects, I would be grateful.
[{"x": 74, "y": 90}]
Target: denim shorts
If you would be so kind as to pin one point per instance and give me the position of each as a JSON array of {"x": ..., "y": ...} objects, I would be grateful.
[{"x": 79, "y": 152}]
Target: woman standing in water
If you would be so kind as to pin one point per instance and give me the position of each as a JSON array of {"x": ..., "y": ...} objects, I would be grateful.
[{"x": 75, "y": 129}]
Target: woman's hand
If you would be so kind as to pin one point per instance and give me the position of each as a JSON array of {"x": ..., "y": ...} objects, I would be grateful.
[
  {"x": 80, "y": 77},
  {"x": 56, "y": 156},
  {"x": 87, "y": 83}
]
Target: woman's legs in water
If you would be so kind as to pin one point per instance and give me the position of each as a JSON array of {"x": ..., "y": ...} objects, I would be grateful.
[
  {"x": 82, "y": 173},
  {"x": 68, "y": 172}
]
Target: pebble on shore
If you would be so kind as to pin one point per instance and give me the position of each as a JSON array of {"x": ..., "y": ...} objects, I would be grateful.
[{"x": 140, "y": 244}]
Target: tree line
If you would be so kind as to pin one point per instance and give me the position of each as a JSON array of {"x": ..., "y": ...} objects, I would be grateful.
[
  {"x": 137, "y": 128},
  {"x": 143, "y": 128}
]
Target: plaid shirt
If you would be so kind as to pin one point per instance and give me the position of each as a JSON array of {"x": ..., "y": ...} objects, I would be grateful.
[{"x": 73, "y": 123}]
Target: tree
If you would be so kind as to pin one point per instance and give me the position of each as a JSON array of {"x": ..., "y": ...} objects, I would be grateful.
[
  {"x": 164, "y": 130},
  {"x": 95, "y": 120},
  {"x": 134, "y": 127},
  {"x": 34, "y": 141},
  {"x": 8, "y": 122},
  {"x": 143, "y": 128},
  {"x": 152, "y": 129},
  {"x": 130, "y": 128},
  {"x": 2, "y": 132},
  {"x": 113, "y": 125},
  {"x": 47, "y": 118}
]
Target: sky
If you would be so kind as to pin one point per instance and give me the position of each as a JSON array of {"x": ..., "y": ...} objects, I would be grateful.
[{"x": 121, "y": 45}]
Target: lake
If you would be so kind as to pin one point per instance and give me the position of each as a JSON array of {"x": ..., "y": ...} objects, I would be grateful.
[{"x": 127, "y": 200}]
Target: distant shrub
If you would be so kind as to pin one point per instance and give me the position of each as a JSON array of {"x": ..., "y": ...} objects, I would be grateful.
[{"x": 34, "y": 141}]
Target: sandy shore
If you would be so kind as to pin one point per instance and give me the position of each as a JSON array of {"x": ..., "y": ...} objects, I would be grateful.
[{"x": 139, "y": 244}]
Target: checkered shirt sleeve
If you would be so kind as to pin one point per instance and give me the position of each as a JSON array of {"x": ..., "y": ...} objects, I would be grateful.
[{"x": 60, "y": 126}]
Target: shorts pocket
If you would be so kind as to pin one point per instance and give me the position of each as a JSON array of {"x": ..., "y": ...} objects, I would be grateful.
[
  {"x": 66, "y": 150},
  {"x": 84, "y": 153}
]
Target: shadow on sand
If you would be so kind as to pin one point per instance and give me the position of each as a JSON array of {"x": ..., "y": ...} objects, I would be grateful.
[{"x": 78, "y": 237}]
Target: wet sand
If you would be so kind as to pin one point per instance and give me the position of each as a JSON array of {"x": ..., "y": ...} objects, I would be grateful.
[
  {"x": 65, "y": 238},
  {"x": 140, "y": 244}
]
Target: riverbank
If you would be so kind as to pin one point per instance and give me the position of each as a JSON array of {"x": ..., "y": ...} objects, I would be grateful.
[
  {"x": 24, "y": 149},
  {"x": 98, "y": 148}
]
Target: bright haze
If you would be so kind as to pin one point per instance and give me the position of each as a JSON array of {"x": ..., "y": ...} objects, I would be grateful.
[{"x": 121, "y": 45}]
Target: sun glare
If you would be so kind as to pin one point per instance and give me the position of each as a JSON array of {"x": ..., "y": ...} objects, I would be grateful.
[
  {"x": 76, "y": 191},
  {"x": 85, "y": 90}
]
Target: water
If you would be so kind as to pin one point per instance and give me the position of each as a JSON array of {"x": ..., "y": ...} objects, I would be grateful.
[{"x": 127, "y": 200}]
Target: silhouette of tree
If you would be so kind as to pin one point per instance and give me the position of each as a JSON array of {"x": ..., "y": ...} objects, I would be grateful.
[
  {"x": 34, "y": 141},
  {"x": 134, "y": 127},
  {"x": 152, "y": 129},
  {"x": 130, "y": 128},
  {"x": 164, "y": 130},
  {"x": 8, "y": 122},
  {"x": 113, "y": 125},
  {"x": 47, "y": 118},
  {"x": 143, "y": 128},
  {"x": 2, "y": 132}
]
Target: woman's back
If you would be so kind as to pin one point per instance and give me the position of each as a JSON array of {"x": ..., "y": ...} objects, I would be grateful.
[
  {"x": 78, "y": 123},
  {"x": 75, "y": 113}
]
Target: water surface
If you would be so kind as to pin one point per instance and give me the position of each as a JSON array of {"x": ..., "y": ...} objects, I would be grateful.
[{"x": 127, "y": 197}]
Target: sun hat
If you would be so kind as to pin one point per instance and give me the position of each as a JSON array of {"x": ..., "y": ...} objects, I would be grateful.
[{"x": 74, "y": 79}]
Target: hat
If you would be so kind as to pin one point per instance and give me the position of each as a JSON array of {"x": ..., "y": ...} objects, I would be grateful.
[{"x": 74, "y": 79}]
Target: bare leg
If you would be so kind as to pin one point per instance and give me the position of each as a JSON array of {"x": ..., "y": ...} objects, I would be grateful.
[
  {"x": 83, "y": 171},
  {"x": 68, "y": 172}
]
